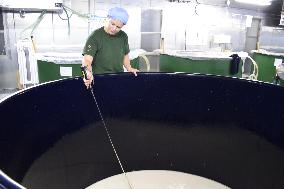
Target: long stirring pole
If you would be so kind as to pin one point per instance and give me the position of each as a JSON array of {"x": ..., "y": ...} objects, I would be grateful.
[{"x": 83, "y": 68}]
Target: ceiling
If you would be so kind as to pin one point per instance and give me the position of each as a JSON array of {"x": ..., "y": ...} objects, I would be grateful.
[{"x": 274, "y": 8}]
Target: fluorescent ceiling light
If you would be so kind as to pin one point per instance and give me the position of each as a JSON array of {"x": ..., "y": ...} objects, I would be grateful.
[{"x": 256, "y": 2}]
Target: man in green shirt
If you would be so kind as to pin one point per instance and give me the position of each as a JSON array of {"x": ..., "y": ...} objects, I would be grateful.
[{"x": 107, "y": 47}]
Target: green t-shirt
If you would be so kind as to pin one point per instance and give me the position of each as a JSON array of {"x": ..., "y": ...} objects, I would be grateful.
[{"x": 107, "y": 50}]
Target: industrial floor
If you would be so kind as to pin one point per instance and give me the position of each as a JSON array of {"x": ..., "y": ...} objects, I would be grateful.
[{"x": 6, "y": 92}]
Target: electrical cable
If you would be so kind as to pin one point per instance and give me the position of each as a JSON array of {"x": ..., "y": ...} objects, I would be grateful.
[
  {"x": 68, "y": 19},
  {"x": 64, "y": 18},
  {"x": 74, "y": 12},
  {"x": 35, "y": 24},
  {"x": 195, "y": 8}
]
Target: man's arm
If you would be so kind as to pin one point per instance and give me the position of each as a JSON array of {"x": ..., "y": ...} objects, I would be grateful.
[
  {"x": 87, "y": 61},
  {"x": 126, "y": 63}
]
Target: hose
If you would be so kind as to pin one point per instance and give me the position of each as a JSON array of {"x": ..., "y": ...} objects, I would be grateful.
[
  {"x": 68, "y": 19},
  {"x": 146, "y": 61},
  {"x": 254, "y": 74}
]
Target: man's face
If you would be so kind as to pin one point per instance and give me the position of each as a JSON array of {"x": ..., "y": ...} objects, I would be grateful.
[{"x": 113, "y": 26}]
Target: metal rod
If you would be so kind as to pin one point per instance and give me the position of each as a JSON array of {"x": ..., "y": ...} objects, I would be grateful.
[
  {"x": 84, "y": 73},
  {"x": 109, "y": 137}
]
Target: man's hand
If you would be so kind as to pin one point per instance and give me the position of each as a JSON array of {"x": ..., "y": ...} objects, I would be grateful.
[
  {"x": 127, "y": 65},
  {"x": 133, "y": 70},
  {"x": 89, "y": 80},
  {"x": 87, "y": 62}
]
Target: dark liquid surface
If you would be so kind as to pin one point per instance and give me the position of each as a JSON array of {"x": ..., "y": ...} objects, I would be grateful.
[{"x": 222, "y": 152}]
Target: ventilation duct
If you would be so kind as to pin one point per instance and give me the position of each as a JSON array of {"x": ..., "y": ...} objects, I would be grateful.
[{"x": 31, "y": 5}]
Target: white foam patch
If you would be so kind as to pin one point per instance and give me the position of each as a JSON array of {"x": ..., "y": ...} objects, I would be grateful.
[{"x": 157, "y": 179}]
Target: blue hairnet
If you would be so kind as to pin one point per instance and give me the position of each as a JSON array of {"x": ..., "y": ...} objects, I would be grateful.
[{"x": 118, "y": 13}]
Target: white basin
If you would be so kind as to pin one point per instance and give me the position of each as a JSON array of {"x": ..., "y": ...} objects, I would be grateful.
[{"x": 157, "y": 179}]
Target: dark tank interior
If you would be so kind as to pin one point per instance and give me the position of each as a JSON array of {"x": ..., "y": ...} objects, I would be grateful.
[{"x": 226, "y": 129}]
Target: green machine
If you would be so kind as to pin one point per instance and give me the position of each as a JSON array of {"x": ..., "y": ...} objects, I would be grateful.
[
  {"x": 266, "y": 67},
  {"x": 50, "y": 70},
  {"x": 214, "y": 66}
]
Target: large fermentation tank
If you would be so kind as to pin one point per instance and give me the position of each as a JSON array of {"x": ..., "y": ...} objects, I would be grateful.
[
  {"x": 225, "y": 129},
  {"x": 267, "y": 66},
  {"x": 54, "y": 66},
  {"x": 200, "y": 62}
]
